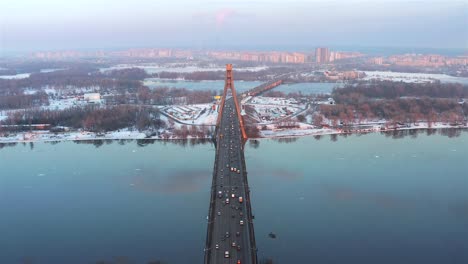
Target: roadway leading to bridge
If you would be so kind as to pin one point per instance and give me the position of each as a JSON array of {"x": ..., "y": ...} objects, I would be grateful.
[{"x": 230, "y": 236}]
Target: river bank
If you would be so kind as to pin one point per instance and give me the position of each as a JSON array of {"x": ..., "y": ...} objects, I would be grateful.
[{"x": 302, "y": 131}]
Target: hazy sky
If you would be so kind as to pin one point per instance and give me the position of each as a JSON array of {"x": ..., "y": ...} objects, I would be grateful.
[{"x": 66, "y": 24}]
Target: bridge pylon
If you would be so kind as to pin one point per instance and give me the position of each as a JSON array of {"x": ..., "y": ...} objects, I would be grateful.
[{"x": 229, "y": 85}]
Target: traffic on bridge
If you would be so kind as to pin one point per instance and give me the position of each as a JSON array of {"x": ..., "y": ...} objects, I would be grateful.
[{"x": 230, "y": 234}]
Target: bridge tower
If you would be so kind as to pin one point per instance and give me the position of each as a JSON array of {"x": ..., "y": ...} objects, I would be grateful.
[{"x": 229, "y": 84}]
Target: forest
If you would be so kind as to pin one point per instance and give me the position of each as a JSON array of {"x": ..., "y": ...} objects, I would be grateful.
[
  {"x": 91, "y": 118},
  {"x": 398, "y": 102}
]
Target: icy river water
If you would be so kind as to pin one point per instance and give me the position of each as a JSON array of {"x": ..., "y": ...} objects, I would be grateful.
[
  {"x": 360, "y": 199},
  {"x": 242, "y": 86}
]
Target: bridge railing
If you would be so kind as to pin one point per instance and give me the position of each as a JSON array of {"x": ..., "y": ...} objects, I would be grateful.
[
  {"x": 211, "y": 210},
  {"x": 253, "y": 243}
]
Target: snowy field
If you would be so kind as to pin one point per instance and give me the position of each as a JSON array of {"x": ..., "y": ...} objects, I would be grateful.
[
  {"x": 199, "y": 114},
  {"x": 3, "y": 115},
  {"x": 63, "y": 104},
  {"x": 273, "y": 101},
  {"x": 16, "y": 76},
  {"x": 270, "y": 109},
  {"x": 268, "y": 113},
  {"x": 412, "y": 77},
  {"x": 26, "y": 75}
]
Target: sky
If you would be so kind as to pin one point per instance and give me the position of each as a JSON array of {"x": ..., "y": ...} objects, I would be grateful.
[{"x": 30, "y": 25}]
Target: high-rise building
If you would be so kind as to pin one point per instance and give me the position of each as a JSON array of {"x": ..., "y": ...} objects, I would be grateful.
[{"x": 322, "y": 55}]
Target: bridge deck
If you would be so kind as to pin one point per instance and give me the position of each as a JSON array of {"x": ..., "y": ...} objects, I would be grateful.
[{"x": 224, "y": 220}]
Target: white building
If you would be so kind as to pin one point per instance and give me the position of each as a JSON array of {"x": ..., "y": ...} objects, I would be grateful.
[{"x": 92, "y": 98}]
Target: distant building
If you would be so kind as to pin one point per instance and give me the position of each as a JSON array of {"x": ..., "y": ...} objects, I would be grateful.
[
  {"x": 322, "y": 55},
  {"x": 92, "y": 98},
  {"x": 377, "y": 60}
]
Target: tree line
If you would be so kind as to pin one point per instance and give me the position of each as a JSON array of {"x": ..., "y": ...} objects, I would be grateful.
[
  {"x": 91, "y": 118},
  {"x": 393, "y": 90},
  {"x": 398, "y": 102}
]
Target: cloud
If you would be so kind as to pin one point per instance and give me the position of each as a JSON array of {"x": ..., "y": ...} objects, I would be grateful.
[
  {"x": 224, "y": 14},
  {"x": 218, "y": 17}
]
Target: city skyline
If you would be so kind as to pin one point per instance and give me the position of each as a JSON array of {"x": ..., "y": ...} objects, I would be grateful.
[{"x": 31, "y": 26}]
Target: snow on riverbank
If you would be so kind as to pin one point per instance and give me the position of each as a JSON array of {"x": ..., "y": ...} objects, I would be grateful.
[
  {"x": 302, "y": 130},
  {"x": 48, "y": 136},
  {"x": 309, "y": 130}
]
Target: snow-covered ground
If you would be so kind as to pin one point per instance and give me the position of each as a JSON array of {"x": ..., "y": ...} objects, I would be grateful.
[
  {"x": 47, "y": 136},
  {"x": 63, "y": 104},
  {"x": 199, "y": 114},
  {"x": 273, "y": 101},
  {"x": 302, "y": 130},
  {"x": 309, "y": 130},
  {"x": 412, "y": 77},
  {"x": 270, "y": 109},
  {"x": 16, "y": 76},
  {"x": 3, "y": 115},
  {"x": 269, "y": 113}
]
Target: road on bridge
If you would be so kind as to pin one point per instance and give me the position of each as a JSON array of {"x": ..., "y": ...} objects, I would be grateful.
[{"x": 230, "y": 236}]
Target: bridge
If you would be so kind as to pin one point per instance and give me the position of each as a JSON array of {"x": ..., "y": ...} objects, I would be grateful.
[
  {"x": 263, "y": 87},
  {"x": 230, "y": 235}
]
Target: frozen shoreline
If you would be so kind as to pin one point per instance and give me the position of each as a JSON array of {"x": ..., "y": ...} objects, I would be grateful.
[{"x": 45, "y": 136}]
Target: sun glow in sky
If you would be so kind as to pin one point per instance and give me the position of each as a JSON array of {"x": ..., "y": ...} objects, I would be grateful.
[{"x": 58, "y": 24}]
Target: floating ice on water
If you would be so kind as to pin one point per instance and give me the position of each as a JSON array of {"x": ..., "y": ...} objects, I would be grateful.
[
  {"x": 41, "y": 174},
  {"x": 138, "y": 169},
  {"x": 132, "y": 184},
  {"x": 133, "y": 151}
]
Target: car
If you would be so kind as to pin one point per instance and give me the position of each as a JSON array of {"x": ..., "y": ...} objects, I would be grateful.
[
  {"x": 217, "y": 246},
  {"x": 241, "y": 213},
  {"x": 238, "y": 262},
  {"x": 219, "y": 213},
  {"x": 238, "y": 248},
  {"x": 233, "y": 244},
  {"x": 241, "y": 222},
  {"x": 226, "y": 254},
  {"x": 227, "y": 200},
  {"x": 233, "y": 196},
  {"x": 237, "y": 233},
  {"x": 227, "y": 234}
]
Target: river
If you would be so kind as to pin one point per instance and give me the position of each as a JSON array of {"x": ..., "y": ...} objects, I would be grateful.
[
  {"x": 242, "y": 86},
  {"x": 359, "y": 199}
]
